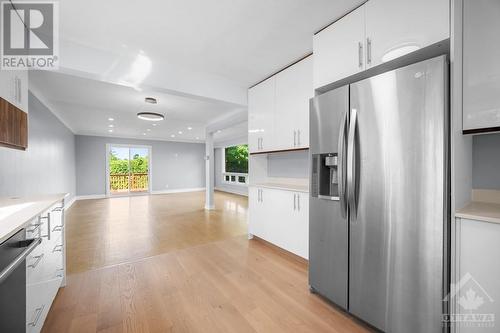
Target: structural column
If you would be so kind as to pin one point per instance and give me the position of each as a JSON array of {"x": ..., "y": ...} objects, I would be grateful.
[{"x": 209, "y": 171}]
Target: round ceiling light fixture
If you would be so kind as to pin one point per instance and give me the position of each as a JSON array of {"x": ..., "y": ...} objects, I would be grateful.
[{"x": 150, "y": 116}]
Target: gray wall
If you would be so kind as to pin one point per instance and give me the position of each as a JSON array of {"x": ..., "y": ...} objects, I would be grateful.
[
  {"x": 486, "y": 162},
  {"x": 288, "y": 164},
  {"x": 175, "y": 164},
  {"x": 48, "y": 165},
  {"x": 219, "y": 184}
]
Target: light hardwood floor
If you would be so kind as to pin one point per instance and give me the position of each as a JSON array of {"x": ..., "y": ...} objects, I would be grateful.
[{"x": 212, "y": 279}]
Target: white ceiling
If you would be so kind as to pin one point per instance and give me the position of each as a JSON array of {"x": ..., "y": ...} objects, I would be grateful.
[
  {"x": 203, "y": 56},
  {"x": 86, "y": 105},
  {"x": 243, "y": 40}
]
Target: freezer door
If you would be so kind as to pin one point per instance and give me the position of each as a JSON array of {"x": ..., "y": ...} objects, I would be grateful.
[
  {"x": 399, "y": 216},
  {"x": 328, "y": 226}
]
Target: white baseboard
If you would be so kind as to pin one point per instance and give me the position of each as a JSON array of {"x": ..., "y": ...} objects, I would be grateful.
[
  {"x": 228, "y": 190},
  {"x": 89, "y": 197},
  {"x": 179, "y": 190}
]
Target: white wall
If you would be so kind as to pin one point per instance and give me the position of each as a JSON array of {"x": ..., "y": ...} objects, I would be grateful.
[
  {"x": 48, "y": 165},
  {"x": 176, "y": 165}
]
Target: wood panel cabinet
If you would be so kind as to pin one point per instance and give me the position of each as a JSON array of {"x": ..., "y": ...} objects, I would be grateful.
[
  {"x": 278, "y": 110},
  {"x": 481, "y": 66},
  {"x": 13, "y": 126},
  {"x": 280, "y": 217},
  {"x": 377, "y": 32}
]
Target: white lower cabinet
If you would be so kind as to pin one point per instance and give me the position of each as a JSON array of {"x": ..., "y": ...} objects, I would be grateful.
[
  {"x": 477, "y": 296},
  {"x": 280, "y": 217},
  {"x": 45, "y": 271}
]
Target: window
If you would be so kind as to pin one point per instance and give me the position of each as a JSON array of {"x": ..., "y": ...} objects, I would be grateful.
[{"x": 236, "y": 164}]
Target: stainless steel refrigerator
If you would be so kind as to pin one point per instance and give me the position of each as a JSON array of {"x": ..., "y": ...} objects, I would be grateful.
[{"x": 379, "y": 202}]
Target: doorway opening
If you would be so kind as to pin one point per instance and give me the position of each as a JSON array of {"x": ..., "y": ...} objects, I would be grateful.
[{"x": 128, "y": 169}]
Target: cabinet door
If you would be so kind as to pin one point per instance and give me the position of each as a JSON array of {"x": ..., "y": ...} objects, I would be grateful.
[
  {"x": 294, "y": 88},
  {"x": 255, "y": 221},
  {"x": 338, "y": 49},
  {"x": 398, "y": 27},
  {"x": 261, "y": 106},
  {"x": 481, "y": 65},
  {"x": 302, "y": 225}
]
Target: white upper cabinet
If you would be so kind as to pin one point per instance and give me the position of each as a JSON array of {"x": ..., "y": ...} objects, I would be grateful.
[
  {"x": 397, "y": 27},
  {"x": 261, "y": 106},
  {"x": 377, "y": 32},
  {"x": 294, "y": 88},
  {"x": 339, "y": 49},
  {"x": 481, "y": 66},
  {"x": 278, "y": 109},
  {"x": 14, "y": 87}
]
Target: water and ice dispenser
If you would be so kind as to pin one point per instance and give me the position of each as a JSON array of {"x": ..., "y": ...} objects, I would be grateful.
[{"x": 325, "y": 180}]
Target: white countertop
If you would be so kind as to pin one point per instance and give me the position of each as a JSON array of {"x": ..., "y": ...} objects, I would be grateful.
[
  {"x": 16, "y": 212},
  {"x": 480, "y": 211},
  {"x": 282, "y": 186}
]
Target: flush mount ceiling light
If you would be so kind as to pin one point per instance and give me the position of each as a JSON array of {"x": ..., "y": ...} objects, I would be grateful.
[
  {"x": 150, "y": 116},
  {"x": 150, "y": 100}
]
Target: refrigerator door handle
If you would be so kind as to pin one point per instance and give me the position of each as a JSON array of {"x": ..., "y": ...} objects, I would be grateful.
[
  {"x": 351, "y": 163},
  {"x": 341, "y": 165}
]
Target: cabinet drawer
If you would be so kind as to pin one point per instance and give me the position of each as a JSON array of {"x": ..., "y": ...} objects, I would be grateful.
[{"x": 39, "y": 298}]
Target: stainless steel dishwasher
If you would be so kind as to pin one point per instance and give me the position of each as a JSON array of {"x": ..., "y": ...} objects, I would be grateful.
[{"x": 13, "y": 253}]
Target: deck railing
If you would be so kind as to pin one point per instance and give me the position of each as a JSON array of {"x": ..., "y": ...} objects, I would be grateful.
[{"x": 120, "y": 182}]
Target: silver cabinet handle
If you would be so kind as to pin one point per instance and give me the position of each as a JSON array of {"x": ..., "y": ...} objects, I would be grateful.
[
  {"x": 48, "y": 225},
  {"x": 298, "y": 137},
  {"x": 35, "y": 227},
  {"x": 294, "y": 202},
  {"x": 261, "y": 195},
  {"x": 57, "y": 248},
  {"x": 298, "y": 202},
  {"x": 351, "y": 163},
  {"x": 360, "y": 55},
  {"x": 38, "y": 314},
  {"x": 37, "y": 261},
  {"x": 294, "y": 138},
  {"x": 262, "y": 143},
  {"x": 57, "y": 228},
  {"x": 342, "y": 165},
  {"x": 368, "y": 51}
]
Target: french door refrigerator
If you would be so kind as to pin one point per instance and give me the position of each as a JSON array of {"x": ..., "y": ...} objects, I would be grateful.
[{"x": 379, "y": 210}]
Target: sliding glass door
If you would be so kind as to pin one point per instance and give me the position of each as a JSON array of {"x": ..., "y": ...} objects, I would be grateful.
[{"x": 128, "y": 169}]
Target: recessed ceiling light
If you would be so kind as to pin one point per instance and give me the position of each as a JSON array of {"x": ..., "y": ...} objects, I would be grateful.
[
  {"x": 110, "y": 131},
  {"x": 155, "y": 124},
  {"x": 111, "y": 119},
  {"x": 218, "y": 131},
  {"x": 197, "y": 138},
  {"x": 143, "y": 133},
  {"x": 172, "y": 136},
  {"x": 150, "y": 100},
  {"x": 190, "y": 128},
  {"x": 180, "y": 132},
  {"x": 150, "y": 116},
  {"x": 111, "y": 125},
  {"x": 149, "y": 130}
]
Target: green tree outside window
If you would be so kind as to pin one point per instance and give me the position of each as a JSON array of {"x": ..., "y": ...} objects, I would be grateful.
[{"x": 237, "y": 159}]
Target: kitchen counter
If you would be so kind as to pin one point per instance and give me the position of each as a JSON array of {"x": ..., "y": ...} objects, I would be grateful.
[
  {"x": 282, "y": 186},
  {"x": 16, "y": 212},
  {"x": 480, "y": 211}
]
